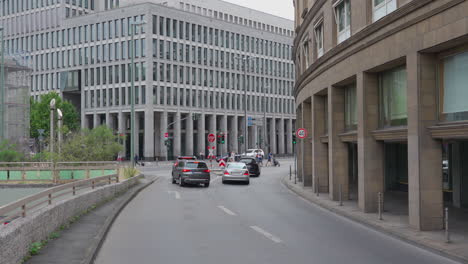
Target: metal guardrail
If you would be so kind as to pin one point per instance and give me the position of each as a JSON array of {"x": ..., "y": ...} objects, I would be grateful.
[
  {"x": 56, "y": 173},
  {"x": 31, "y": 203}
]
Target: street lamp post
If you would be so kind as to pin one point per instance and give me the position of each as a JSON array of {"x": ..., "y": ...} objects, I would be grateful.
[
  {"x": 133, "y": 26},
  {"x": 60, "y": 132},
  {"x": 52, "y": 110},
  {"x": 2, "y": 86},
  {"x": 245, "y": 60}
]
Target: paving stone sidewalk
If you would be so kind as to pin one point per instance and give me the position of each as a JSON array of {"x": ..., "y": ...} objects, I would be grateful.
[
  {"x": 76, "y": 245},
  {"x": 395, "y": 225}
]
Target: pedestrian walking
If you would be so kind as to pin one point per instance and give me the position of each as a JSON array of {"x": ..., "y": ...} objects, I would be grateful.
[
  {"x": 136, "y": 159},
  {"x": 270, "y": 156},
  {"x": 202, "y": 155}
]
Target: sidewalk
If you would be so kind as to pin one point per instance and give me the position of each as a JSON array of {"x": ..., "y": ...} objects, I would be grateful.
[
  {"x": 394, "y": 224},
  {"x": 80, "y": 242}
]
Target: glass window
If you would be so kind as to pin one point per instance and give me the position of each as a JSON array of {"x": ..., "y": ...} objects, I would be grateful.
[
  {"x": 342, "y": 11},
  {"x": 455, "y": 91},
  {"x": 350, "y": 108},
  {"x": 382, "y": 8},
  {"x": 393, "y": 98},
  {"x": 319, "y": 38}
]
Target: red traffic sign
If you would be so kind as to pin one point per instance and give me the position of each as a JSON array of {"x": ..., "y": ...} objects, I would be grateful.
[
  {"x": 166, "y": 135},
  {"x": 301, "y": 133},
  {"x": 211, "y": 138},
  {"x": 213, "y": 147},
  {"x": 222, "y": 163}
]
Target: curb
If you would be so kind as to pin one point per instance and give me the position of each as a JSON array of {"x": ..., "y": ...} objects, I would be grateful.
[
  {"x": 375, "y": 227},
  {"x": 98, "y": 240}
]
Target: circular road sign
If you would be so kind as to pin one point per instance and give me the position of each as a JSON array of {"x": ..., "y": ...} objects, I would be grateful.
[
  {"x": 211, "y": 138},
  {"x": 301, "y": 133}
]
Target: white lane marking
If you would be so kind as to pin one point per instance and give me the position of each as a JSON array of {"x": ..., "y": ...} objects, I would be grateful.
[
  {"x": 227, "y": 211},
  {"x": 266, "y": 234},
  {"x": 217, "y": 177},
  {"x": 176, "y": 193}
]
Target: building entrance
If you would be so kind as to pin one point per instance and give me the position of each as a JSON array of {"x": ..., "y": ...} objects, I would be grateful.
[
  {"x": 455, "y": 173},
  {"x": 396, "y": 178},
  {"x": 353, "y": 171}
]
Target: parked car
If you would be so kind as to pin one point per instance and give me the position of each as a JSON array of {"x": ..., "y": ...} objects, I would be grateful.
[
  {"x": 252, "y": 165},
  {"x": 236, "y": 171},
  {"x": 253, "y": 153},
  {"x": 191, "y": 172}
]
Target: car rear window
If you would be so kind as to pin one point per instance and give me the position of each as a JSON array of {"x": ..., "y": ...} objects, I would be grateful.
[
  {"x": 247, "y": 161},
  {"x": 196, "y": 165},
  {"x": 236, "y": 166}
]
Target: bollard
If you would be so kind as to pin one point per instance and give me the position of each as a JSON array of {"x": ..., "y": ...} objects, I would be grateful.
[
  {"x": 341, "y": 194},
  {"x": 318, "y": 187},
  {"x": 295, "y": 178},
  {"x": 379, "y": 200},
  {"x": 290, "y": 172},
  {"x": 447, "y": 233}
]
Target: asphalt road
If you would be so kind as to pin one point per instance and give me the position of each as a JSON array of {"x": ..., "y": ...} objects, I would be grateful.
[{"x": 260, "y": 223}]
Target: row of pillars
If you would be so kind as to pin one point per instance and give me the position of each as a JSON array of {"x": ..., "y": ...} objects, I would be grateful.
[
  {"x": 157, "y": 124},
  {"x": 326, "y": 155}
]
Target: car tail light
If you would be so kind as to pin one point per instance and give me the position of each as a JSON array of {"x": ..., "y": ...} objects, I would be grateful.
[
  {"x": 185, "y": 170},
  {"x": 226, "y": 172},
  {"x": 206, "y": 171},
  {"x": 246, "y": 173}
]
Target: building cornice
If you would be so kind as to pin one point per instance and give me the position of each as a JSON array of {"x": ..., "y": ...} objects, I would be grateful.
[
  {"x": 449, "y": 130},
  {"x": 312, "y": 72},
  {"x": 397, "y": 134}
]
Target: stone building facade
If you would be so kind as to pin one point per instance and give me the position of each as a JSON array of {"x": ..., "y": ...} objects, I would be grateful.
[
  {"x": 189, "y": 62},
  {"x": 382, "y": 86}
]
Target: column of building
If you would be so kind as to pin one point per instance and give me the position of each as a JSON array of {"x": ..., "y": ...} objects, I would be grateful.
[
  {"x": 177, "y": 135},
  {"x": 319, "y": 149},
  {"x": 121, "y": 131},
  {"x": 201, "y": 135},
  {"x": 289, "y": 136},
  {"x": 273, "y": 135},
  {"x": 370, "y": 162},
  {"x": 189, "y": 136},
  {"x": 163, "y": 130},
  {"x": 425, "y": 153},
  {"x": 281, "y": 137},
  {"x": 233, "y": 136},
  {"x": 306, "y": 146},
  {"x": 149, "y": 133},
  {"x": 337, "y": 150},
  {"x": 212, "y": 130}
]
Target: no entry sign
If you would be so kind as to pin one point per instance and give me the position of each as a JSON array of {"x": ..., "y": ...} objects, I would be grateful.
[
  {"x": 211, "y": 138},
  {"x": 301, "y": 133}
]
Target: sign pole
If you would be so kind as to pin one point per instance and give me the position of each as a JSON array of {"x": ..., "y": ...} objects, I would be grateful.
[{"x": 301, "y": 133}]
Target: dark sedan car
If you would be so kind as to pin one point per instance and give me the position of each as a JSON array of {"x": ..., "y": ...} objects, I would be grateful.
[
  {"x": 191, "y": 172},
  {"x": 252, "y": 166}
]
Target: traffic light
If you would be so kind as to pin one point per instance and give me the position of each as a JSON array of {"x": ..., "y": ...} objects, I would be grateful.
[
  {"x": 241, "y": 139},
  {"x": 294, "y": 139},
  {"x": 223, "y": 140},
  {"x": 218, "y": 139}
]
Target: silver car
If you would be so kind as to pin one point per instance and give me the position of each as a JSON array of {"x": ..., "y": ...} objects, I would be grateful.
[{"x": 236, "y": 171}]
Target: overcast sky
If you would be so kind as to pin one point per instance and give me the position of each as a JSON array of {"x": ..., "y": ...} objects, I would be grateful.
[{"x": 282, "y": 8}]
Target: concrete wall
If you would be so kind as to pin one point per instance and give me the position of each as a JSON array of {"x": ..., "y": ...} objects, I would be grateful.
[{"x": 16, "y": 237}]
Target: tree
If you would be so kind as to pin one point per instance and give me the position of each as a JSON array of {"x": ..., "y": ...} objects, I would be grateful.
[
  {"x": 98, "y": 144},
  {"x": 9, "y": 153},
  {"x": 40, "y": 114}
]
